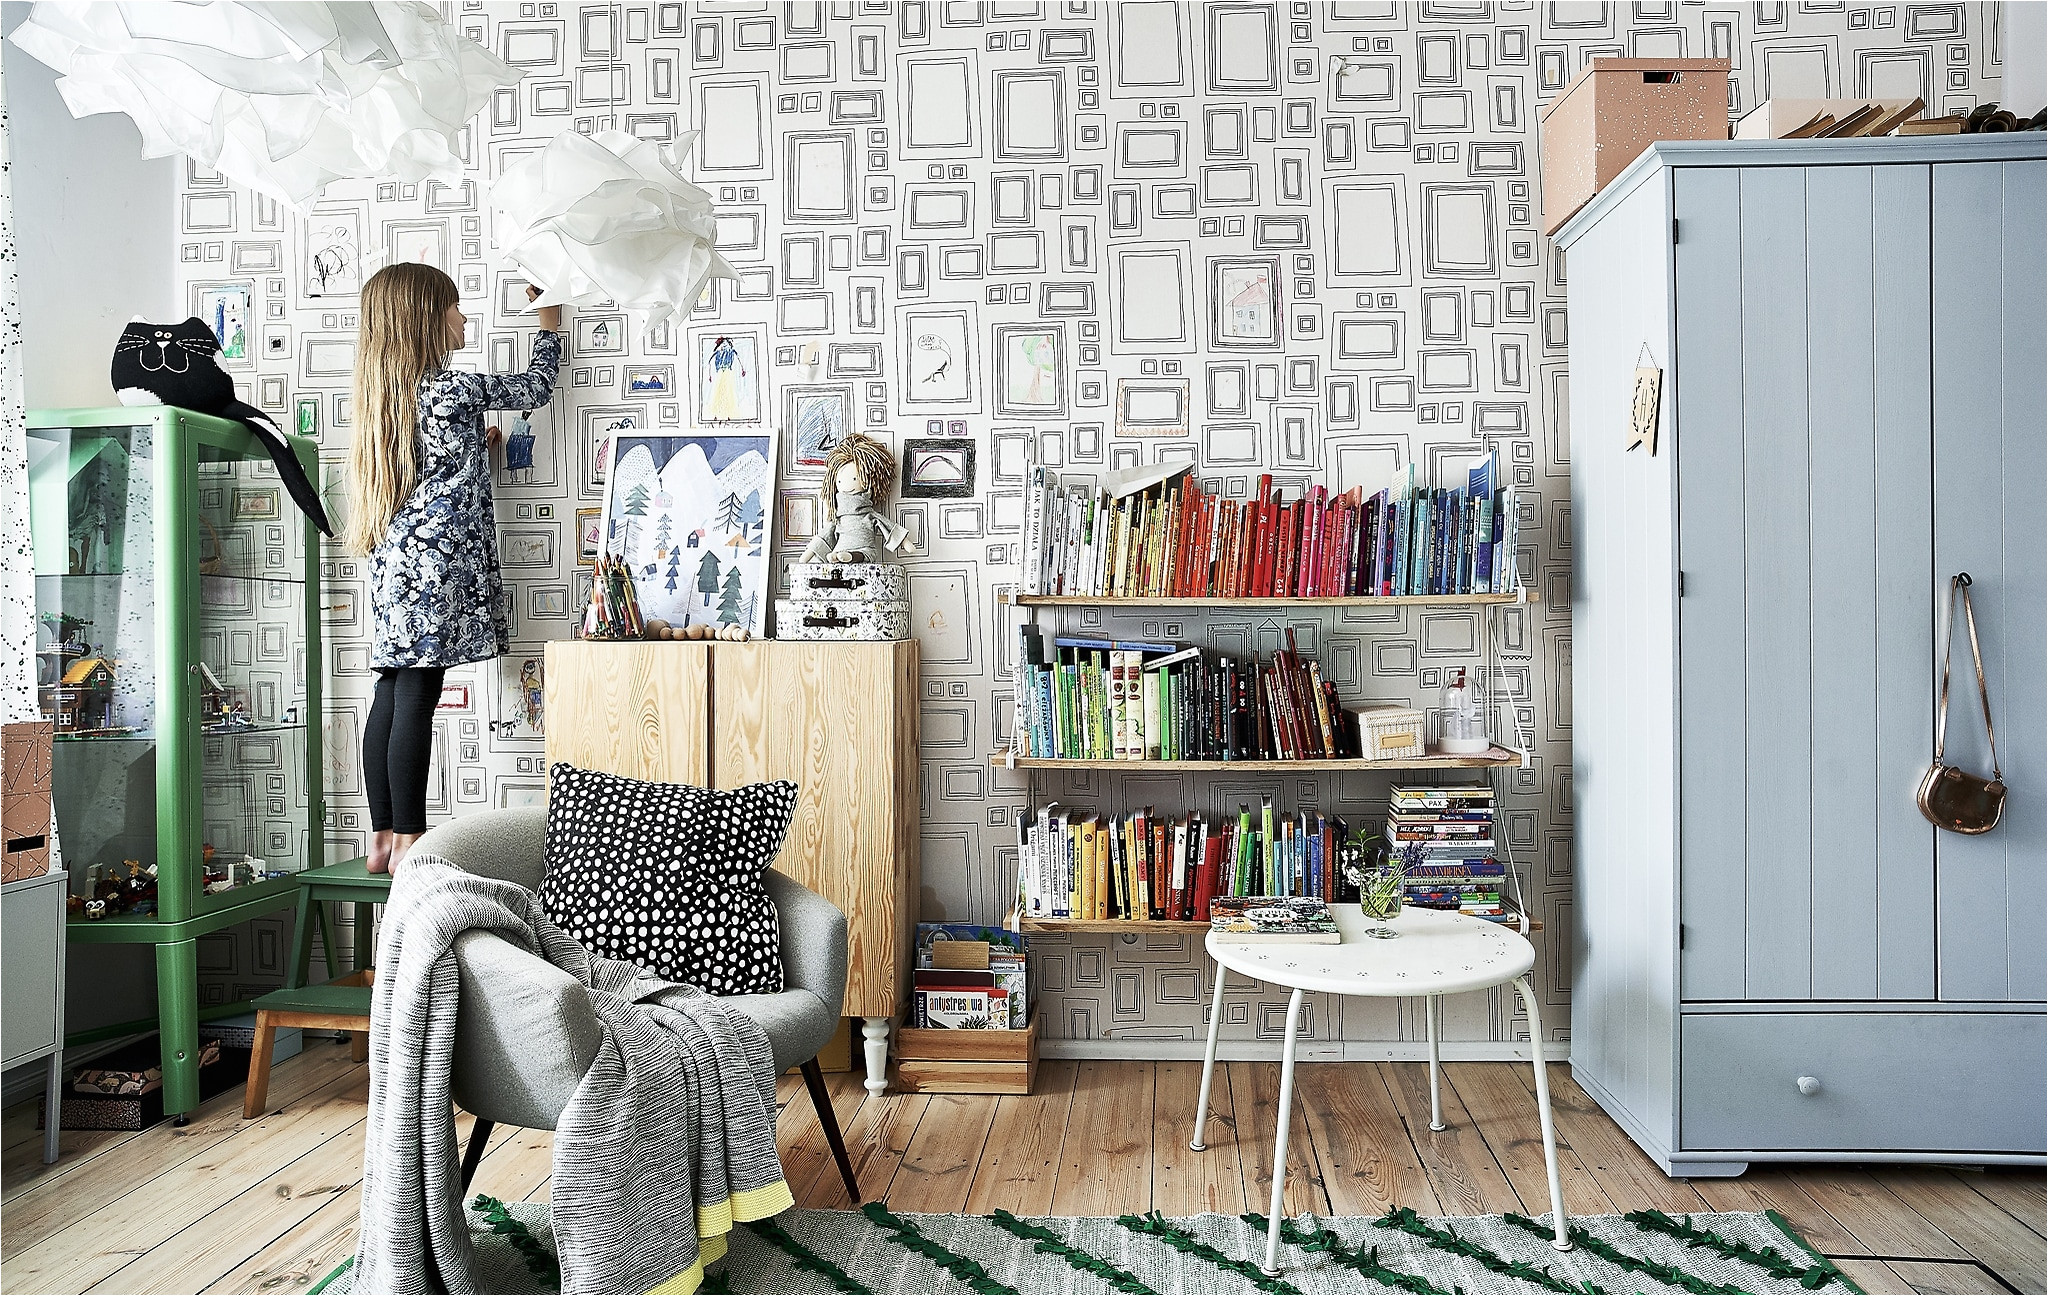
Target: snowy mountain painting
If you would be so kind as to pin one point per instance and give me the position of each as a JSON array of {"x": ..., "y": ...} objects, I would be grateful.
[{"x": 689, "y": 513}]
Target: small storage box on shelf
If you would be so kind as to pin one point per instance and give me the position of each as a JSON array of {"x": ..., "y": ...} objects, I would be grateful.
[
  {"x": 1391, "y": 733},
  {"x": 967, "y": 1061}
]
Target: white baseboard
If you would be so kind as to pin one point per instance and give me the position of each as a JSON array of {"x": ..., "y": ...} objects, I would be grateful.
[{"x": 1180, "y": 1050}]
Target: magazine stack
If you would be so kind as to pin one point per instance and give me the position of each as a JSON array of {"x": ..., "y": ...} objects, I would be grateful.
[{"x": 1445, "y": 838}]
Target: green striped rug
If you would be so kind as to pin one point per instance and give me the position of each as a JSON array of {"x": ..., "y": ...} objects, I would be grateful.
[{"x": 874, "y": 1250}]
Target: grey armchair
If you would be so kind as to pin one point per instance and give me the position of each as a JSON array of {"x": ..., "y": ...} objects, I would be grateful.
[{"x": 525, "y": 1035}]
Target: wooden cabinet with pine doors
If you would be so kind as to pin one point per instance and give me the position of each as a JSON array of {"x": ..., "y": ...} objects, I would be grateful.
[{"x": 837, "y": 719}]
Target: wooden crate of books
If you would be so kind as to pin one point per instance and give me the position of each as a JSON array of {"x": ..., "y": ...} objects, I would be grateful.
[{"x": 967, "y": 1061}]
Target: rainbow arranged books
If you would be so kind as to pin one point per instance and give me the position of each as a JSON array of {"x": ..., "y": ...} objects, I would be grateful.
[{"x": 1168, "y": 538}]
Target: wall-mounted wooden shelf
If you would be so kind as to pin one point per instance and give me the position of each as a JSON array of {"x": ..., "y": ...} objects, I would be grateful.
[
  {"x": 1103, "y": 924},
  {"x": 1494, "y": 757},
  {"x": 1523, "y": 595},
  {"x": 1052, "y": 925}
]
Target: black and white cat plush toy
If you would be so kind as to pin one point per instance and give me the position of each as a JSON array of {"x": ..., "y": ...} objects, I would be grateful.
[{"x": 179, "y": 364}]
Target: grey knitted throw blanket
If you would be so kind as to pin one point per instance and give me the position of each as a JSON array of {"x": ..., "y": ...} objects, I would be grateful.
[{"x": 669, "y": 1137}]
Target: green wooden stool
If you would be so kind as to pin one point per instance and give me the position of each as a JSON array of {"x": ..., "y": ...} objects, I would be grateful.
[{"x": 341, "y": 1002}]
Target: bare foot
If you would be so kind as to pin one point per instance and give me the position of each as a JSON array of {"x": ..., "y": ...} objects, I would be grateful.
[
  {"x": 402, "y": 846},
  {"x": 379, "y": 860}
]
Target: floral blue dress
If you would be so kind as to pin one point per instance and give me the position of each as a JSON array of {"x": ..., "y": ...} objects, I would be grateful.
[{"x": 435, "y": 590}]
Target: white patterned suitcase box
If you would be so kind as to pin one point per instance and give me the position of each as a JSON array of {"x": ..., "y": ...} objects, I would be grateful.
[
  {"x": 821, "y": 619},
  {"x": 848, "y": 583}
]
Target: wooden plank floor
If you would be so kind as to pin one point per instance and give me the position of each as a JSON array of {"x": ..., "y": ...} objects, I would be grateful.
[{"x": 270, "y": 1206}]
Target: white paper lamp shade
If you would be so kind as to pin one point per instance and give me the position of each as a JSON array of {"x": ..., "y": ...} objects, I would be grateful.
[
  {"x": 609, "y": 217},
  {"x": 284, "y": 98}
]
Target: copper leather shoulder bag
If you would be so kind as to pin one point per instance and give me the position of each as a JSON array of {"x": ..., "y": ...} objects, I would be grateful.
[{"x": 1951, "y": 798}]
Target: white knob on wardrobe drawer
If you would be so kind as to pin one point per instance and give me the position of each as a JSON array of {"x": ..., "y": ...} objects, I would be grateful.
[{"x": 1809, "y": 1086}]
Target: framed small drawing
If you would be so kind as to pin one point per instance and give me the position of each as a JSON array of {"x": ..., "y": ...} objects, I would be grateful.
[
  {"x": 599, "y": 424},
  {"x": 255, "y": 504},
  {"x": 1244, "y": 302},
  {"x": 814, "y": 419},
  {"x": 600, "y": 335},
  {"x": 522, "y": 696},
  {"x": 529, "y": 549},
  {"x": 1147, "y": 407},
  {"x": 729, "y": 378},
  {"x": 938, "y": 348},
  {"x": 226, "y": 309},
  {"x": 424, "y": 241},
  {"x": 547, "y": 602},
  {"x": 307, "y": 419},
  {"x": 938, "y": 468},
  {"x": 1031, "y": 370},
  {"x": 589, "y": 536},
  {"x": 799, "y": 516},
  {"x": 650, "y": 380},
  {"x": 333, "y": 251}
]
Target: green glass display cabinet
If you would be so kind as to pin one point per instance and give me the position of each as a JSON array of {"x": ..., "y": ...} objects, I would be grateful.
[{"x": 178, "y": 656}]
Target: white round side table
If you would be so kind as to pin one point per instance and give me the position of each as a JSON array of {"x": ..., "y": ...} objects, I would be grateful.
[{"x": 1423, "y": 953}]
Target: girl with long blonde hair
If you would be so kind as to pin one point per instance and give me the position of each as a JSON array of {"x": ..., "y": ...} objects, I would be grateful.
[{"x": 419, "y": 476}]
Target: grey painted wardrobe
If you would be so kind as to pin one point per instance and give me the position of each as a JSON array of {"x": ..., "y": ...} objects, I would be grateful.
[{"x": 1775, "y": 956}]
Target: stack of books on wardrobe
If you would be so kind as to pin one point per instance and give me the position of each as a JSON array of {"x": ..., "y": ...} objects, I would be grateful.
[
  {"x": 1445, "y": 838},
  {"x": 1150, "y": 866},
  {"x": 1107, "y": 699},
  {"x": 1172, "y": 539}
]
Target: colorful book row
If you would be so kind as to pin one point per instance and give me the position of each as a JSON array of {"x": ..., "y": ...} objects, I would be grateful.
[
  {"x": 1151, "y": 866},
  {"x": 1172, "y": 539},
  {"x": 1102, "y": 699}
]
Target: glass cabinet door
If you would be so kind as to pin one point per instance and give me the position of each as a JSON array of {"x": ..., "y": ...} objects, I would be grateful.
[
  {"x": 92, "y": 511},
  {"x": 247, "y": 675}
]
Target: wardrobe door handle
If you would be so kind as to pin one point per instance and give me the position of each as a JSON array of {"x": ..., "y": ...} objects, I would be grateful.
[{"x": 1809, "y": 1085}]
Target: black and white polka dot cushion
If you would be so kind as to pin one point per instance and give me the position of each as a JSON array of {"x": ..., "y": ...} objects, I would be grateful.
[{"x": 669, "y": 876}]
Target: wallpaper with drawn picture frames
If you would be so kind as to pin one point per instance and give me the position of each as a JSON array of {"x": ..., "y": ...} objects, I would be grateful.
[{"x": 1086, "y": 235}]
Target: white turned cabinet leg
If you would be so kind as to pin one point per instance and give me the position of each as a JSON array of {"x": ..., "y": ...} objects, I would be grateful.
[{"x": 874, "y": 1034}]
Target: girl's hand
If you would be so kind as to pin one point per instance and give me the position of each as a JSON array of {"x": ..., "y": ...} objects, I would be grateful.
[
  {"x": 492, "y": 436},
  {"x": 549, "y": 317}
]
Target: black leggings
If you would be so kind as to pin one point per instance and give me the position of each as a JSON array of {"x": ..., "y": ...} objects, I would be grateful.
[{"x": 398, "y": 746}]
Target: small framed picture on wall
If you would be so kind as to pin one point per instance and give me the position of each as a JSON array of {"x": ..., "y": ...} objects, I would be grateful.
[{"x": 938, "y": 468}]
